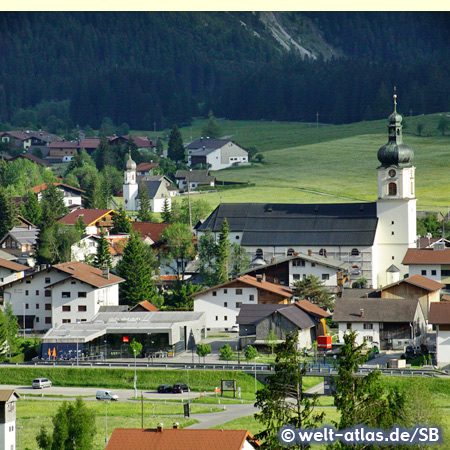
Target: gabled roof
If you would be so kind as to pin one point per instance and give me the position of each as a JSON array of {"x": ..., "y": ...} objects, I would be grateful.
[
  {"x": 90, "y": 216},
  {"x": 23, "y": 235},
  {"x": 65, "y": 187},
  {"x": 90, "y": 143},
  {"x": 5, "y": 263},
  {"x": 297, "y": 316},
  {"x": 426, "y": 256},
  {"x": 31, "y": 158},
  {"x": 196, "y": 176},
  {"x": 24, "y": 135},
  {"x": 146, "y": 166},
  {"x": 211, "y": 144},
  {"x": 180, "y": 439},
  {"x": 251, "y": 281},
  {"x": 439, "y": 313},
  {"x": 419, "y": 281},
  {"x": 375, "y": 309},
  {"x": 286, "y": 224},
  {"x": 312, "y": 309},
  {"x": 152, "y": 187},
  {"x": 6, "y": 394},
  {"x": 65, "y": 144},
  {"x": 253, "y": 314},
  {"x": 146, "y": 305},
  {"x": 152, "y": 230},
  {"x": 87, "y": 274}
]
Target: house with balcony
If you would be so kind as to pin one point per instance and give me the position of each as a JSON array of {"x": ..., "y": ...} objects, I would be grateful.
[
  {"x": 72, "y": 196},
  {"x": 94, "y": 219}
]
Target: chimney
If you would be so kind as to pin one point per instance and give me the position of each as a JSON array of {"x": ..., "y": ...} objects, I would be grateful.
[
  {"x": 259, "y": 277},
  {"x": 160, "y": 427},
  {"x": 264, "y": 277},
  {"x": 309, "y": 252},
  {"x": 272, "y": 260},
  {"x": 105, "y": 272},
  {"x": 325, "y": 254},
  {"x": 176, "y": 426},
  {"x": 362, "y": 312}
]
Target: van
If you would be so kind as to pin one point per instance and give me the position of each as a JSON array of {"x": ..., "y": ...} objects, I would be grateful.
[{"x": 106, "y": 395}]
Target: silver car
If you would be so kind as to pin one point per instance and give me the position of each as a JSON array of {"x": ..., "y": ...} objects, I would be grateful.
[{"x": 40, "y": 383}]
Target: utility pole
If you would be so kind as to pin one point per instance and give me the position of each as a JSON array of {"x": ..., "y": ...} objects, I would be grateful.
[{"x": 317, "y": 125}]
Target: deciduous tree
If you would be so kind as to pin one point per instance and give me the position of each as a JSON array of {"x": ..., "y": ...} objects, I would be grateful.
[
  {"x": 211, "y": 129},
  {"x": 250, "y": 352},
  {"x": 226, "y": 352},
  {"x": 202, "y": 351}
]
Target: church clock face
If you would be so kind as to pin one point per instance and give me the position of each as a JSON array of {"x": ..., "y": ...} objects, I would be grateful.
[{"x": 392, "y": 173}]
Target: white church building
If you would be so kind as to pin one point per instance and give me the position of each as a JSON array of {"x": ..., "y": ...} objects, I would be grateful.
[{"x": 373, "y": 237}]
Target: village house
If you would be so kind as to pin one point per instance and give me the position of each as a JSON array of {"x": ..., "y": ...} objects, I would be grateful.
[
  {"x": 8, "y": 430},
  {"x": 388, "y": 323},
  {"x": 20, "y": 242},
  {"x": 72, "y": 195},
  {"x": 141, "y": 142},
  {"x": 11, "y": 271},
  {"x": 302, "y": 317},
  {"x": 222, "y": 303},
  {"x": 192, "y": 179},
  {"x": 62, "y": 151},
  {"x": 182, "y": 439},
  {"x": 28, "y": 139},
  {"x": 215, "y": 154},
  {"x": 63, "y": 293},
  {"x": 94, "y": 219},
  {"x": 34, "y": 159},
  {"x": 145, "y": 168},
  {"x": 440, "y": 318}
]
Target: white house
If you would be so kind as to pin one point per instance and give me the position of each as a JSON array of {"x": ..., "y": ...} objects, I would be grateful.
[
  {"x": 440, "y": 317},
  {"x": 8, "y": 399},
  {"x": 11, "y": 271},
  {"x": 63, "y": 293},
  {"x": 215, "y": 154},
  {"x": 370, "y": 236},
  {"x": 390, "y": 323},
  {"x": 192, "y": 179},
  {"x": 72, "y": 195},
  {"x": 222, "y": 303}
]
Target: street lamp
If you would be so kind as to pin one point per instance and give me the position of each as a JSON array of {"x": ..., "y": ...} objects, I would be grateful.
[
  {"x": 256, "y": 389},
  {"x": 135, "y": 376},
  {"x": 23, "y": 304},
  {"x": 106, "y": 421}
]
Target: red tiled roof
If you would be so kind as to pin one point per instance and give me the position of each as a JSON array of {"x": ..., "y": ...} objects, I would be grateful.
[
  {"x": 43, "y": 187},
  {"x": 439, "y": 313},
  {"x": 179, "y": 439},
  {"x": 12, "y": 265},
  {"x": 150, "y": 306},
  {"x": 426, "y": 256},
  {"x": 251, "y": 281},
  {"x": 87, "y": 274},
  {"x": 152, "y": 230},
  {"x": 64, "y": 144},
  {"x": 417, "y": 280},
  {"x": 309, "y": 307},
  {"x": 90, "y": 216},
  {"x": 145, "y": 166},
  {"x": 90, "y": 143}
]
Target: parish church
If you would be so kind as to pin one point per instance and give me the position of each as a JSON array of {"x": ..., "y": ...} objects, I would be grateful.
[{"x": 373, "y": 237}]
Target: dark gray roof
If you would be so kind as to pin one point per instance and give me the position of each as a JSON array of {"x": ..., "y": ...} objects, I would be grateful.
[
  {"x": 210, "y": 144},
  {"x": 375, "y": 309},
  {"x": 196, "y": 176},
  {"x": 298, "y": 317},
  {"x": 359, "y": 293},
  {"x": 252, "y": 314},
  {"x": 282, "y": 224},
  {"x": 115, "y": 308},
  {"x": 152, "y": 187}
]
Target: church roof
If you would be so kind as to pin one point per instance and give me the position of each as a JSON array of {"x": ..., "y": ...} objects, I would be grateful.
[{"x": 285, "y": 224}]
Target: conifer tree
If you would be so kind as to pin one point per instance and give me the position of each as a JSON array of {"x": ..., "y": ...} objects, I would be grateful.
[
  {"x": 52, "y": 206},
  {"x": 101, "y": 155},
  {"x": 166, "y": 214},
  {"x": 122, "y": 223},
  {"x": 145, "y": 209},
  {"x": 103, "y": 255},
  {"x": 211, "y": 129},
  {"x": 8, "y": 213},
  {"x": 93, "y": 197},
  {"x": 223, "y": 253},
  {"x": 31, "y": 210},
  {"x": 176, "y": 150},
  {"x": 136, "y": 269},
  {"x": 3, "y": 336}
]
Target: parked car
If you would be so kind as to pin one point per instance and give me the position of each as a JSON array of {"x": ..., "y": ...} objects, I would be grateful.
[
  {"x": 179, "y": 388},
  {"x": 103, "y": 394},
  {"x": 235, "y": 329},
  {"x": 40, "y": 383},
  {"x": 164, "y": 388}
]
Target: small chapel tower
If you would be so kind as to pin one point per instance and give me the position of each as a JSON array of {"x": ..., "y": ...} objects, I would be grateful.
[
  {"x": 396, "y": 204},
  {"x": 8, "y": 399},
  {"x": 130, "y": 185}
]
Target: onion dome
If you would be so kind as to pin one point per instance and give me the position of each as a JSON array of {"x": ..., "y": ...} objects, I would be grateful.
[
  {"x": 130, "y": 165},
  {"x": 395, "y": 153}
]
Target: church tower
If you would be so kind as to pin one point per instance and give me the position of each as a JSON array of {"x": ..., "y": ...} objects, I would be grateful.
[
  {"x": 396, "y": 204},
  {"x": 130, "y": 185}
]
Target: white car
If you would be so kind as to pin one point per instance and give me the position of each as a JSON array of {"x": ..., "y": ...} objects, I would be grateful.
[{"x": 41, "y": 383}]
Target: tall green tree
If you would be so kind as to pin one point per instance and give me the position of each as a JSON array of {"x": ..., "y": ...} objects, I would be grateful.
[
  {"x": 362, "y": 400},
  {"x": 429, "y": 224},
  {"x": 31, "y": 210},
  {"x": 159, "y": 147},
  {"x": 3, "y": 337},
  {"x": 136, "y": 268},
  {"x": 211, "y": 129},
  {"x": 122, "y": 223},
  {"x": 202, "y": 351},
  {"x": 94, "y": 196},
  {"x": 8, "y": 213},
  {"x": 52, "y": 206},
  {"x": 179, "y": 297},
  {"x": 282, "y": 400},
  {"x": 443, "y": 125},
  {"x": 73, "y": 428},
  {"x": 207, "y": 252},
  {"x": 166, "y": 214},
  {"x": 11, "y": 328},
  {"x": 102, "y": 155},
  {"x": 145, "y": 208},
  {"x": 314, "y": 290},
  {"x": 226, "y": 352},
  {"x": 103, "y": 255},
  {"x": 238, "y": 261},
  {"x": 176, "y": 150},
  {"x": 223, "y": 253}
]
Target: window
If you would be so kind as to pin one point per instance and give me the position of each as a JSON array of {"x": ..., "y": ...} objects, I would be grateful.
[
  {"x": 225, "y": 318},
  {"x": 47, "y": 293},
  {"x": 47, "y": 280},
  {"x": 296, "y": 276},
  {"x": 368, "y": 326},
  {"x": 392, "y": 189},
  {"x": 225, "y": 291},
  {"x": 325, "y": 276},
  {"x": 323, "y": 252},
  {"x": 37, "y": 305},
  {"x": 298, "y": 262},
  {"x": 214, "y": 293},
  {"x": 393, "y": 258},
  {"x": 355, "y": 252},
  {"x": 424, "y": 272},
  {"x": 48, "y": 320},
  {"x": 433, "y": 272},
  {"x": 392, "y": 223},
  {"x": 48, "y": 306},
  {"x": 26, "y": 292},
  {"x": 259, "y": 253},
  {"x": 82, "y": 294},
  {"x": 66, "y": 308},
  {"x": 392, "y": 233},
  {"x": 313, "y": 264},
  {"x": 238, "y": 304},
  {"x": 28, "y": 282},
  {"x": 73, "y": 282},
  {"x": 368, "y": 338},
  {"x": 217, "y": 317},
  {"x": 251, "y": 297},
  {"x": 225, "y": 304},
  {"x": 66, "y": 321},
  {"x": 349, "y": 326},
  {"x": 445, "y": 273},
  {"x": 65, "y": 295},
  {"x": 27, "y": 305},
  {"x": 238, "y": 291},
  {"x": 82, "y": 308}
]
